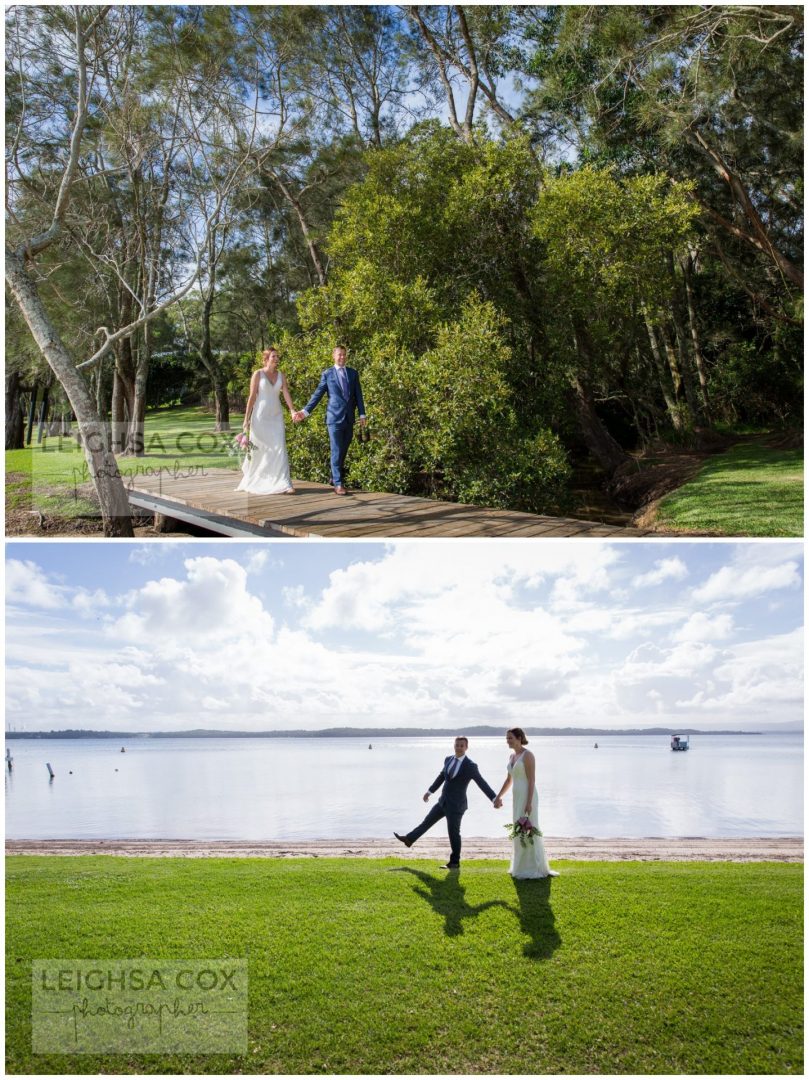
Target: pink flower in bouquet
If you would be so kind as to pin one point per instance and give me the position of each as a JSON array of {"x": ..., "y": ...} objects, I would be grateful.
[{"x": 241, "y": 445}]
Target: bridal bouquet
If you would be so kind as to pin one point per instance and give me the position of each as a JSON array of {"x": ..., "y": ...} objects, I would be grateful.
[
  {"x": 241, "y": 445},
  {"x": 522, "y": 830}
]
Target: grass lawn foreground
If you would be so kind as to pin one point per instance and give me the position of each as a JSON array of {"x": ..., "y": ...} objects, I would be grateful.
[
  {"x": 384, "y": 966},
  {"x": 747, "y": 491}
]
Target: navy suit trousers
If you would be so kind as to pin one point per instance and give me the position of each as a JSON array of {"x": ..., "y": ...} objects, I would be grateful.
[
  {"x": 339, "y": 441},
  {"x": 453, "y": 829}
]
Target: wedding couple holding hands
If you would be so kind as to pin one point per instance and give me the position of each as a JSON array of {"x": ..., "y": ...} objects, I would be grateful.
[
  {"x": 265, "y": 467},
  {"x": 528, "y": 859}
]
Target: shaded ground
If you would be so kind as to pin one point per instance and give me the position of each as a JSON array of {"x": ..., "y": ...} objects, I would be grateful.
[
  {"x": 653, "y": 475},
  {"x": 21, "y": 520}
]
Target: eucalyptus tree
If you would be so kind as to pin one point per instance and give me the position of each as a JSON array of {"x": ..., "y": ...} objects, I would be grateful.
[
  {"x": 43, "y": 158},
  {"x": 57, "y": 69},
  {"x": 463, "y": 51},
  {"x": 353, "y": 61},
  {"x": 712, "y": 93}
]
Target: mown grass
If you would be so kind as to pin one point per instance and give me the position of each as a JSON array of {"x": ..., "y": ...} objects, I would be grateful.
[
  {"x": 748, "y": 491},
  {"x": 378, "y": 966},
  {"x": 53, "y": 477}
]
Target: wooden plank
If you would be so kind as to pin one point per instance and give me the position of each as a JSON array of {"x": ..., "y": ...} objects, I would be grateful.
[{"x": 315, "y": 511}]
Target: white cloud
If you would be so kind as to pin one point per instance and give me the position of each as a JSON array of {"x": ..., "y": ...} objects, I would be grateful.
[
  {"x": 88, "y": 602},
  {"x": 211, "y": 604},
  {"x": 701, "y": 627},
  {"x": 153, "y": 552},
  {"x": 423, "y": 635},
  {"x": 651, "y": 661},
  {"x": 294, "y": 596},
  {"x": 27, "y": 584},
  {"x": 738, "y": 583},
  {"x": 673, "y": 569}
]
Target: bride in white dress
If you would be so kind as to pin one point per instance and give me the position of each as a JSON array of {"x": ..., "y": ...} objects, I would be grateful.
[
  {"x": 266, "y": 469},
  {"x": 529, "y": 861}
]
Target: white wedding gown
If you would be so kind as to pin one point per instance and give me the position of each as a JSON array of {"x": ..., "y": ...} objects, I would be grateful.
[
  {"x": 529, "y": 861},
  {"x": 266, "y": 471}
]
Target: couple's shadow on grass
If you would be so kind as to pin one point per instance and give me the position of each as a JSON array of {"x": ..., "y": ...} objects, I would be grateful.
[{"x": 447, "y": 897}]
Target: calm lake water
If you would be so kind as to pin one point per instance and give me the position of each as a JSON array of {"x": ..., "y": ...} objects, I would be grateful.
[{"x": 277, "y": 789}]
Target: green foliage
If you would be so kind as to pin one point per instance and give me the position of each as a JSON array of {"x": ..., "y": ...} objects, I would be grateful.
[
  {"x": 752, "y": 386},
  {"x": 608, "y": 241},
  {"x": 471, "y": 444},
  {"x": 430, "y": 284}
]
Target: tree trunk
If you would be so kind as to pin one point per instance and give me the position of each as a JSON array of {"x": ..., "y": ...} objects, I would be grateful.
[
  {"x": 598, "y": 440},
  {"x": 32, "y": 409},
  {"x": 665, "y": 377},
  {"x": 118, "y": 412},
  {"x": 136, "y": 434},
  {"x": 218, "y": 383},
  {"x": 43, "y": 414},
  {"x": 683, "y": 337},
  {"x": 100, "y": 459},
  {"x": 758, "y": 236},
  {"x": 297, "y": 206},
  {"x": 15, "y": 418},
  {"x": 600, "y": 443},
  {"x": 696, "y": 345}
]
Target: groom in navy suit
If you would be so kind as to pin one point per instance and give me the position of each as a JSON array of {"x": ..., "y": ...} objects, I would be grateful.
[
  {"x": 342, "y": 384},
  {"x": 457, "y": 774}
]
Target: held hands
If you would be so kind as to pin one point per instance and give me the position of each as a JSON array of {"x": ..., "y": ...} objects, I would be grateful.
[
  {"x": 426, "y": 796},
  {"x": 498, "y": 802},
  {"x": 298, "y": 416}
]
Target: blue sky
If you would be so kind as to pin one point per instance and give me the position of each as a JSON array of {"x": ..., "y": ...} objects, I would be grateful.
[{"x": 169, "y": 636}]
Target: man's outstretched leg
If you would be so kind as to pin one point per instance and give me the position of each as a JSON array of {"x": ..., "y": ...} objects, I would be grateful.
[{"x": 434, "y": 815}]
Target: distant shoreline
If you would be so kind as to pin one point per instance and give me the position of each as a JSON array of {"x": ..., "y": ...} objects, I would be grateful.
[
  {"x": 370, "y": 733},
  {"x": 646, "y": 849}
]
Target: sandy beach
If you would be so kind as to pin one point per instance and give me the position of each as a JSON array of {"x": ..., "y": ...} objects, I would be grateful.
[{"x": 647, "y": 849}]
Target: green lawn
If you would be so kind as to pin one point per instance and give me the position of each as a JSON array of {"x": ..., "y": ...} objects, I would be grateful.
[
  {"x": 53, "y": 477},
  {"x": 363, "y": 965},
  {"x": 749, "y": 491}
]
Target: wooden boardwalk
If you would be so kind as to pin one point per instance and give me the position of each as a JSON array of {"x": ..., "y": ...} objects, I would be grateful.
[{"x": 314, "y": 510}]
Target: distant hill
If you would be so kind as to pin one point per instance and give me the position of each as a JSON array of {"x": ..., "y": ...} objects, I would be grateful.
[{"x": 361, "y": 733}]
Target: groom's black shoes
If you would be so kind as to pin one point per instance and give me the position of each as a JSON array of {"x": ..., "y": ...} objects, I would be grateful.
[{"x": 405, "y": 841}]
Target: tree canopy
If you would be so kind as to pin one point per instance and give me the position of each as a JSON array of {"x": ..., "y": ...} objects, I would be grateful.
[{"x": 541, "y": 231}]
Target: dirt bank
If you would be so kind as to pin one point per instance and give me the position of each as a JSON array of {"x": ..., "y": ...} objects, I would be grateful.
[{"x": 679, "y": 849}]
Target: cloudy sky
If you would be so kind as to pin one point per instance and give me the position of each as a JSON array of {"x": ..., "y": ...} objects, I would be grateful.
[{"x": 170, "y": 636}]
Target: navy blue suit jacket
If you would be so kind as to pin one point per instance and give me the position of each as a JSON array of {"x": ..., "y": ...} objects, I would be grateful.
[
  {"x": 340, "y": 409},
  {"x": 453, "y": 797}
]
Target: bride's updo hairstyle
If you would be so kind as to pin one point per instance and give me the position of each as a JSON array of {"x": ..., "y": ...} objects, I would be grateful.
[{"x": 519, "y": 735}]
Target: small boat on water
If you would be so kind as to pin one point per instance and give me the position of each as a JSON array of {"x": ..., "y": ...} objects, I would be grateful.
[{"x": 679, "y": 742}]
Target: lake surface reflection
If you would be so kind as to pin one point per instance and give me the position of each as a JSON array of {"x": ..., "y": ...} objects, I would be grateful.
[{"x": 277, "y": 789}]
